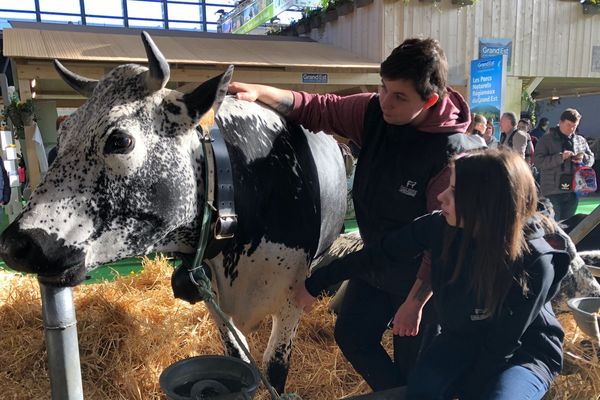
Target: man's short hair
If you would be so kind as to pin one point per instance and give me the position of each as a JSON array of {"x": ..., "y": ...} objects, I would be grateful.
[
  {"x": 525, "y": 121},
  {"x": 511, "y": 116},
  {"x": 421, "y": 61},
  {"x": 570, "y": 114},
  {"x": 544, "y": 121}
]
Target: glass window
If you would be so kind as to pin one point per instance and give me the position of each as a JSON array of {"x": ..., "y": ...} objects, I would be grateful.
[
  {"x": 184, "y": 1},
  {"x": 75, "y": 19},
  {"x": 22, "y": 5},
  {"x": 211, "y": 12},
  {"x": 189, "y": 26},
  {"x": 17, "y": 15},
  {"x": 184, "y": 12},
  {"x": 113, "y": 8},
  {"x": 139, "y": 23},
  {"x": 144, "y": 9},
  {"x": 62, "y": 6},
  {"x": 288, "y": 16},
  {"x": 211, "y": 27},
  {"x": 104, "y": 21},
  {"x": 223, "y": 2}
]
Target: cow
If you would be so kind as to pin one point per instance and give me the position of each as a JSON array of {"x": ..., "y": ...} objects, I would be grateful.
[{"x": 129, "y": 179}]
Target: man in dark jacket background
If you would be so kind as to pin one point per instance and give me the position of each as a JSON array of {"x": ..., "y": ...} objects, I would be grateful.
[
  {"x": 557, "y": 154},
  {"x": 405, "y": 135}
]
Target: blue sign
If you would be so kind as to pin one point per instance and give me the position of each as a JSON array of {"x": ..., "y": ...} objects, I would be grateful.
[
  {"x": 487, "y": 86},
  {"x": 491, "y": 47},
  {"x": 314, "y": 78}
]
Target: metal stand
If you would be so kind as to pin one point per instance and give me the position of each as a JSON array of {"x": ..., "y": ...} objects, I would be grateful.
[{"x": 60, "y": 328}]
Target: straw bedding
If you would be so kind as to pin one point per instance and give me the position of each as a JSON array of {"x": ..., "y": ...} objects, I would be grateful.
[{"x": 133, "y": 328}]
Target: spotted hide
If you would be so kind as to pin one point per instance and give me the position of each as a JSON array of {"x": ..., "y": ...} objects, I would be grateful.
[{"x": 129, "y": 179}]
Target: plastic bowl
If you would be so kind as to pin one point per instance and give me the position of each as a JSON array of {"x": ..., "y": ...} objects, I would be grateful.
[
  {"x": 189, "y": 378},
  {"x": 585, "y": 312}
]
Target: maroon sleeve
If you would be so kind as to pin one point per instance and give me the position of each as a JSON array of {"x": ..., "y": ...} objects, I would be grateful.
[
  {"x": 332, "y": 114},
  {"x": 436, "y": 185}
]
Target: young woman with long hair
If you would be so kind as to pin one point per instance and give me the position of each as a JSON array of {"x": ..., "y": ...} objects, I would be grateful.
[{"x": 493, "y": 275}]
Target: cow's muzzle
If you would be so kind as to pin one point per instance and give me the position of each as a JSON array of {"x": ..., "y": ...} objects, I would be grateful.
[{"x": 35, "y": 251}]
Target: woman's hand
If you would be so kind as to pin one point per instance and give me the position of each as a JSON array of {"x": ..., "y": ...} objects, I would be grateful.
[
  {"x": 302, "y": 298},
  {"x": 244, "y": 91},
  {"x": 407, "y": 320}
]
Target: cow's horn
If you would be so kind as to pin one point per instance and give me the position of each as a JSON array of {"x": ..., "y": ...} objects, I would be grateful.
[
  {"x": 83, "y": 86},
  {"x": 159, "y": 72}
]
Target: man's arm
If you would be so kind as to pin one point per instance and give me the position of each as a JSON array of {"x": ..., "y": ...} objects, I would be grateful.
[
  {"x": 332, "y": 114},
  {"x": 408, "y": 316},
  {"x": 544, "y": 159},
  {"x": 281, "y": 100}
]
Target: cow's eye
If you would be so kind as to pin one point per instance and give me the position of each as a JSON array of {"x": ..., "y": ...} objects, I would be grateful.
[{"x": 119, "y": 143}]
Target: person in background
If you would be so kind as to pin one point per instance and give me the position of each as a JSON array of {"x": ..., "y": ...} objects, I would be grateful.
[
  {"x": 404, "y": 133},
  {"x": 477, "y": 128},
  {"x": 541, "y": 129},
  {"x": 510, "y": 136},
  {"x": 488, "y": 136},
  {"x": 5, "y": 190},
  {"x": 557, "y": 155},
  {"x": 21, "y": 170},
  {"x": 524, "y": 125},
  {"x": 493, "y": 275}
]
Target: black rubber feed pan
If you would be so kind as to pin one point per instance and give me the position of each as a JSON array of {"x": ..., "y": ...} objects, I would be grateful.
[
  {"x": 210, "y": 378},
  {"x": 586, "y": 310}
]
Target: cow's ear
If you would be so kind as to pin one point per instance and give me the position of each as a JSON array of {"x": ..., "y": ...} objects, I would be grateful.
[{"x": 208, "y": 95}]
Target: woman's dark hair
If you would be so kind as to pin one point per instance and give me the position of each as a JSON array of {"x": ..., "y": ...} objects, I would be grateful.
[
  {"x": 494, "y": 196},
  {"x": 421, "y": 61}
]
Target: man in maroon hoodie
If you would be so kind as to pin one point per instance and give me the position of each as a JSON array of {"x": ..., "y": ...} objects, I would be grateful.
[{"x": 406, "y": 134}]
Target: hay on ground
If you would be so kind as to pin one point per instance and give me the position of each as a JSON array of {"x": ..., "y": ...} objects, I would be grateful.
[{"x": 130, "y": 330}]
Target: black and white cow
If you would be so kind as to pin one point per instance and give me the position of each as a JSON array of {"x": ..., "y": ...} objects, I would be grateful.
[{"x": 129, "y": 180}]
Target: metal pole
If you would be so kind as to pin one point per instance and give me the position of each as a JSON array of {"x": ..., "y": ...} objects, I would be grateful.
[
  {"x": 60, "y": 328},
  {"x": 586, "y": 226}
]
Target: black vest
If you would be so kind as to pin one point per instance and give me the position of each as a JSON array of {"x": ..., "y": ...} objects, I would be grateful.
[{"x": 395, "y": 166}]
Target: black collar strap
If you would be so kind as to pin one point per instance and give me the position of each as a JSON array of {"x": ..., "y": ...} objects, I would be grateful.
[
  {"x": 226, "y": 223},
  {"x": 220, "y": 192}
]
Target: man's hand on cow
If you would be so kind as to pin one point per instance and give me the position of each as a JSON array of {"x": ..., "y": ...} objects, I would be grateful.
[
  {"x": 303, "y": 299},
  {"x": 244, "y": 91},
  {"x": 407, "y": 320}
]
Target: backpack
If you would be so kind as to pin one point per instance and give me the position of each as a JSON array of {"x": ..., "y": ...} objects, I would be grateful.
[{"x": 584, "y": 180}]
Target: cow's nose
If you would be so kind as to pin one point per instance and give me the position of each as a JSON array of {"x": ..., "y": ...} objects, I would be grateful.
[{"x": 35, "y": 251}]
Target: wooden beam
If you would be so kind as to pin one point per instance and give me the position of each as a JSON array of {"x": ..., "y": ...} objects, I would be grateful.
[
  {"x": 533, "y": 84},
  {"x": 24, "y": 89},
  {"x": 187, "y": 74},
  {"x": 47, "y": 71},
  {"x": 586, "y": 226}
]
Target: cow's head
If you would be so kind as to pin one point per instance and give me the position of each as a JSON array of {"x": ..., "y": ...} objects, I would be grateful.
[{"x": 125, "y": 180}]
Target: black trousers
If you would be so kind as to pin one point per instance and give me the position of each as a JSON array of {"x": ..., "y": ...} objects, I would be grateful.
[{"x": 362, "y": 320}]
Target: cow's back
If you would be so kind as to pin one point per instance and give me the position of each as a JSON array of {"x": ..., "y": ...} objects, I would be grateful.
[{"x": 289, "y": 183}]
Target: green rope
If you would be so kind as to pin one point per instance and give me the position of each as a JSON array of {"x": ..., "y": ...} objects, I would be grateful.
[
  {"x": 204, "y": 288},
  {"x": 199, "y": 278}
]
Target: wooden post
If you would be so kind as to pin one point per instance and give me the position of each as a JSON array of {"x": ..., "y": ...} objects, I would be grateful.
[
  {"x": 33, "y": 167},
  {"x": 33, "y": 163},
  {"x": 584, "y": 227}
]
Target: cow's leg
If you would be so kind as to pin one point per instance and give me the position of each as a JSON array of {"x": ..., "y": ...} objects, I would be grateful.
[
  {"x": 232, "y": 348},
  {"x": 276, "y": 359}
]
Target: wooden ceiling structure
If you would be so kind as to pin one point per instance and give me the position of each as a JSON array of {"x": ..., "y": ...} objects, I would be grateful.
[{"x": 293, "y": 63}]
